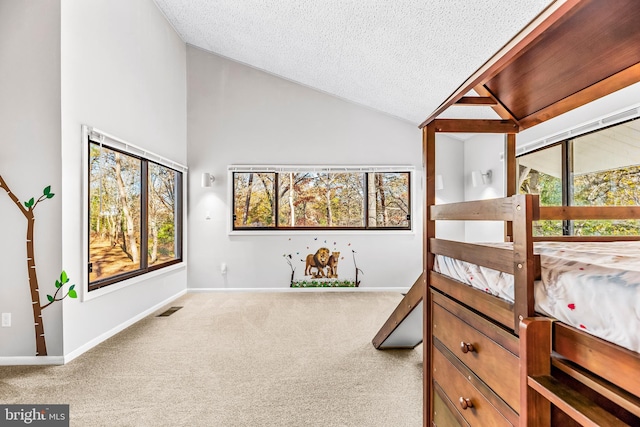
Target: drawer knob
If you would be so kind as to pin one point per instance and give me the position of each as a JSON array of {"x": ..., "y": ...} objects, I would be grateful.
[
  {"x": 466, "y": 347},
  {"x": 466, "y": 403}
]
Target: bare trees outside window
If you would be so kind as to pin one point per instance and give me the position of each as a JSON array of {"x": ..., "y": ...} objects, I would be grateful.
[
  {"x": 321, "y": 200},
  {"x": 134, "y": 215}
]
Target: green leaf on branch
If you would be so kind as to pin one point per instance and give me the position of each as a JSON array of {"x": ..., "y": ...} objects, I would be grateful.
[
  {"x": 50, "y": 298},
  {"x": 50, "y": 195},
  {"x": 58, "y": 284},
  {"x": 29, "y": 203},
  {"x": 73, "y": 293},
  {"x": 63, "y": 277},
  {"x": 47, "y": 190},
  {"x": 71, "y": 287}
]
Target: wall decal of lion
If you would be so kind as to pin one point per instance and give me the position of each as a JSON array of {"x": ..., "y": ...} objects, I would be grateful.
[
  {"x": 332, "y": 264},
  {"x": 319, "y": 261}
]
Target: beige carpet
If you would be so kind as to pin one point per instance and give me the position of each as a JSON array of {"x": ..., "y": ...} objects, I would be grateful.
[{"x": 239, "y": 359}]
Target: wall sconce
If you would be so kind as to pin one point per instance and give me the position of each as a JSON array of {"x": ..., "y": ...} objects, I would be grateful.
[
  {"x": 439, "y": 183},
  {"x": 478, "y": 178},
  {"x": 207, "y": 180}
]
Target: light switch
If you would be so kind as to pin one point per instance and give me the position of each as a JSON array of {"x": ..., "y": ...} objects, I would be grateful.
[{"x": 6, "y": 320}]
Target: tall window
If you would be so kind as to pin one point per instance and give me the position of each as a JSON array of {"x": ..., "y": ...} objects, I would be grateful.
[
  {"x": 331, "y": 199},
  {"x": 135, "y": 215},
  {"x": 601, "y": 168}
]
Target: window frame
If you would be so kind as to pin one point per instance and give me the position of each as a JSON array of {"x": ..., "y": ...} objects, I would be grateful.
[
  {"x": 99, "y": 287},
  {"x": 281, "y": 169},
  {"x": 567, "y": 163}
]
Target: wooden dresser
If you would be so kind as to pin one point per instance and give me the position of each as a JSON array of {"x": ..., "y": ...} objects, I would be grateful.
[{"x": 475, "y": 368}]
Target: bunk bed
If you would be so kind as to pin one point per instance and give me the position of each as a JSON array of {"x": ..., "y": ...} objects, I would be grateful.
[{"x": 491, "y": 360}]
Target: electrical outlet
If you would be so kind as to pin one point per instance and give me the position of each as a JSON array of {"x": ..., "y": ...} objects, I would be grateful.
[{"x": 6, "y": 320}]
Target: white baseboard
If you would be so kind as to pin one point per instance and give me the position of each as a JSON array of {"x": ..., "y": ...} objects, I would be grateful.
[
  {"x": 31, "y": 360},
  {"x": 94, "y": 342},
  {"x": 386, "y": 289}
]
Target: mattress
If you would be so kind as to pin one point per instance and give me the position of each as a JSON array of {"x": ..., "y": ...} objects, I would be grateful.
[{"x": 594, "y": 287}]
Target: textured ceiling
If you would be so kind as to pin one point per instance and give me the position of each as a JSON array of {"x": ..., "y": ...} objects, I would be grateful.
[{"x": 402, "y": 57}]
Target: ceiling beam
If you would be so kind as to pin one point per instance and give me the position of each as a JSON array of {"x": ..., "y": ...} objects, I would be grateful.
[
  {"x": 476, "y": 100},
  {"x": 475, "y": 126},
  {"x": 499, "y": 108}
]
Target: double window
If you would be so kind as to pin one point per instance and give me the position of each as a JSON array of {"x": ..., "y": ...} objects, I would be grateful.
[
  {"x": 305, "y": 198},
  {"x": 135, "y": 215},
  {"x": 601, "y": 168}
]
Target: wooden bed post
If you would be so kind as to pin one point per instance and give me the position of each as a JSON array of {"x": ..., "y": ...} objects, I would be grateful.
[
  {"x": 510, "y": 175},
  {"x": 429, "y": 157},
  {"x": 535, "y": 360},
  {"x": 525, "y": 210}
]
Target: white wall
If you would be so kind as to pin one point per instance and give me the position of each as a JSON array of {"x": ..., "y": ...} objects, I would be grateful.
[
  {"x": 482, "y": 153},
  {"x": 123, "y": 72},
  {"x": 450, "y": 165},
  {"x": 239, "y": 115},
  {"x": 29, "y": 161}
]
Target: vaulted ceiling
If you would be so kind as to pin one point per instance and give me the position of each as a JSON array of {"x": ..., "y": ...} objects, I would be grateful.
[{"x": 402, "y": 57}]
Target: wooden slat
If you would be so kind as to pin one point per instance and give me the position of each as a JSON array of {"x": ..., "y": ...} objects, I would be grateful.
[
  {"x": 477, "y": 100},
  {"x": 589, "y": 212},
  {"x": 586, "y": 238},
  {"x": 406, "y": 306},
  {"x": 573, "y": 403},
  {"x": 475, "y": 126},
  {"x": 482, "y": 210},
  {"x": 606, "y": 389},
  {"x": 486, "y": 256},
  {"x": 535, "y": 355},
  {"x": 607, "y": 360},
  {"x": 501, "y": 310}
]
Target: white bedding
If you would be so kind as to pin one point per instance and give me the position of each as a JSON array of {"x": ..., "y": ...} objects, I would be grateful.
[{"x": 591, "y": 286}]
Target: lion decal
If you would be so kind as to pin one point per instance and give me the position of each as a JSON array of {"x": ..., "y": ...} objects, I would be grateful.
[
  {"x": 332, "y": 265},
  {"x": 319, "y": 261}
]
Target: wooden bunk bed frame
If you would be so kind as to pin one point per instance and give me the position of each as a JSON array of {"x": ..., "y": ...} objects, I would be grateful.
[{"x": 555, "y": 374}]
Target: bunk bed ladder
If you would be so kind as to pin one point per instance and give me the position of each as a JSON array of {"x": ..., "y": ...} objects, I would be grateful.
[{"x": 539, "y": 390}]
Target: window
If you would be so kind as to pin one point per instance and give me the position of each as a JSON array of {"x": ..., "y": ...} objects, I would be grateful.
[
  {"x": 304, "y": 198},
  {"x": 601, "y": 168},
  {"x": 135, "y": 215},
  {"x": 540, "y": 173}
]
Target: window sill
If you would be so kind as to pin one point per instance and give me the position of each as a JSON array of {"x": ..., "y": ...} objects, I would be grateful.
[
  {"x": 87, "y": 296},
  {"x": 318, "y": 232}
]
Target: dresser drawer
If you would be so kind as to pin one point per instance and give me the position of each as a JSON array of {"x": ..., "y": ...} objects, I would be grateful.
[
  {"x": 442, "y": 415},
  {"x": 496, "y": 366},
  {"x": 478, "y": 411}
]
